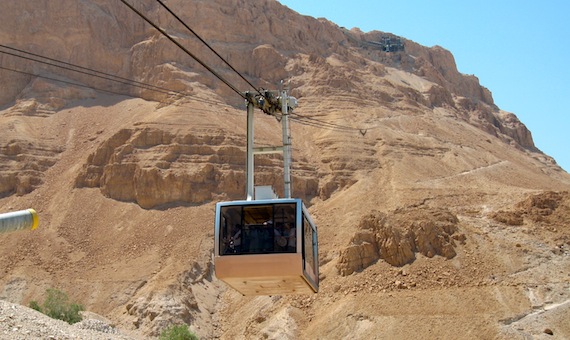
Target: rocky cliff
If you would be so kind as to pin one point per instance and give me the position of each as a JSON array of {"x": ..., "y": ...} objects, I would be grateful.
[
  {"x": 433, "y": 204},
  {"x": 272, "y": 44}
]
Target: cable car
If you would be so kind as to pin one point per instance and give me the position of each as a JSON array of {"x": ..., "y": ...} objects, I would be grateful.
[{"x": 266, "y": 245}]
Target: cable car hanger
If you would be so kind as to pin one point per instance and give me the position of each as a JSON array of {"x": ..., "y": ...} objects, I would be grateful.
[
  {"x": 265, "y": 245},
  {"x": 271, "y": 104}
]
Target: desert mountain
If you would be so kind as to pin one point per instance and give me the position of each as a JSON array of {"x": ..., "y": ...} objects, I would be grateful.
[{"x": 437, "y": 215}]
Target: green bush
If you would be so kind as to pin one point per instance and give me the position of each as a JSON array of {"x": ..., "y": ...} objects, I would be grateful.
[
  {"x": 178, "y": 332},
  {"x": 57, "y": 306},
  {"x": 34, "y": 305}
]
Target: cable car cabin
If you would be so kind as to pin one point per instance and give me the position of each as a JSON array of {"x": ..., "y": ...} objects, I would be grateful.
[{"x": 266, "y": 247}]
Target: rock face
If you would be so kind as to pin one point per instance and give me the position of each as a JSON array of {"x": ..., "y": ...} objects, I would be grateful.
[
  {"x": 549, "y": 208},
  {"x": 137, "y": 52},
  {"x": 153, "y": 167},
  {"x": 23, "y": 164},
  {"x": 266, "y": 55},
  {"x": 398, "y": 237},
  {"x": 178, "y": 303},
  {"x": 23, "y": 158},
  {"x": 410, "y": 171}
]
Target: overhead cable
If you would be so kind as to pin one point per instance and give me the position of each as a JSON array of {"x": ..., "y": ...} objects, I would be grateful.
[
  {"x": 301, "y": 119},
  {"x": 65, "y": 81},
  {"x": 140, "y": 85},
  {"x": 205, "y": 43},
  {"x": 163, "y": 32},
  {"x": 89, "y": 71},
  {"x": 195, "y": 99},
  {"x": 320, "y": 124},
  {"x": 102, "y": 75}
]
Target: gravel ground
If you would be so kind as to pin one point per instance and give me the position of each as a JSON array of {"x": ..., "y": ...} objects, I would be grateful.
[{"x": 19, "y": 322}]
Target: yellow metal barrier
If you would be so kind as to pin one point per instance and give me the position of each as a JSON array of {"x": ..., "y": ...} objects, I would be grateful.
[{"x": 19, "y": 220}]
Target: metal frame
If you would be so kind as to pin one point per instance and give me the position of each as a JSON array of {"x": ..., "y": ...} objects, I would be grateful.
[
  {"x": 300, "y": 210},
  {"x": 273, "y": 273},
  {"x": 270, "y": 272},
  {"x": 285, "y": 149}
]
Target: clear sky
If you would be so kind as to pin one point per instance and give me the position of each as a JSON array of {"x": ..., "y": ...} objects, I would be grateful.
[{"x": 519, "y": 50}]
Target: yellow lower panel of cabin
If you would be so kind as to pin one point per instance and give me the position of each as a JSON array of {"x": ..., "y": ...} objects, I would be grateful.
[{"x": 264, "y": 274}]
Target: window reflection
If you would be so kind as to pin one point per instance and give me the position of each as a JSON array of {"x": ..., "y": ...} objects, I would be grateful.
[
  {"x": 308, "y": 246},
  {"x": 258, "y": 229}
]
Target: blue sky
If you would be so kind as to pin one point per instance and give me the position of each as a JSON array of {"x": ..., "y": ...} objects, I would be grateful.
[{"x": 519, "y": 50}]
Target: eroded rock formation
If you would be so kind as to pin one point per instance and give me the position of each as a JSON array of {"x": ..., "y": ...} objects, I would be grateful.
[
  {"x": 22, "y": 163},
  {"x": 397, "y": 238},
  {"x": 153, "y": 167},
  {"x": 551, "y": 208}
]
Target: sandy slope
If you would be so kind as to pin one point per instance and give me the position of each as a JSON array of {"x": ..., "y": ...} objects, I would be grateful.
[
  {"x": 120, "y": 233},
  {"x": 114, "y": 255}
]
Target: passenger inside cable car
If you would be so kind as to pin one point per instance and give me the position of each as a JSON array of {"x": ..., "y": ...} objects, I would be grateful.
[
  {"x": 266, "y": 247},
  {"x": 266, "y": 229}
]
